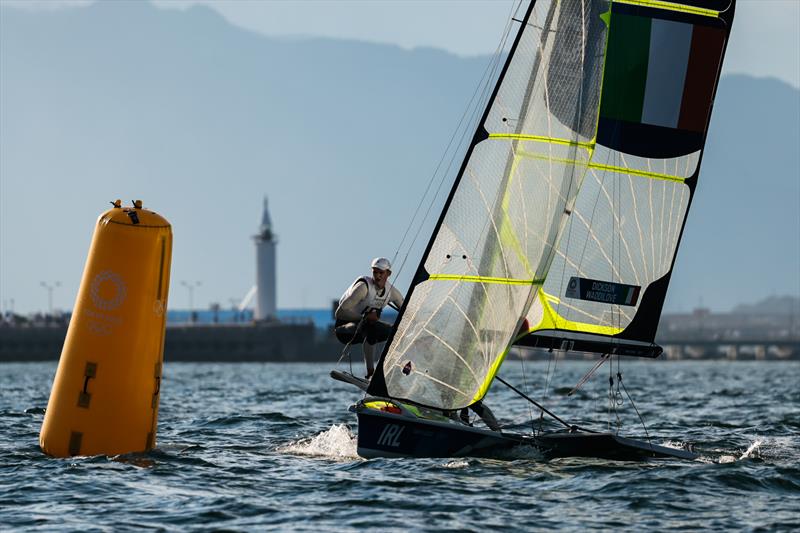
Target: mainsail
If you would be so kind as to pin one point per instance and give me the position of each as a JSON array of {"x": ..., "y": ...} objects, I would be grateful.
[{"x": 567, "y": 210}]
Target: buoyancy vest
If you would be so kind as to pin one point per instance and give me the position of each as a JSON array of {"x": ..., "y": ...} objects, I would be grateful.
[{"x": 373, "y": 301}]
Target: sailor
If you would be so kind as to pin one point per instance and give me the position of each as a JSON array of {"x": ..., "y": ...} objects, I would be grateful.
[{"x": 359, "y": 310}]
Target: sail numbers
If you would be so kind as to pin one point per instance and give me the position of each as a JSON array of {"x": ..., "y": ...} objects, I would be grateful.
[
  {"x": 390, "y": 436},
  {"x": 606, "y": 292}
]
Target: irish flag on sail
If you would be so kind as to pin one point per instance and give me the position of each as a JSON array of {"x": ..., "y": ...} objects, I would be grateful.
[{"x": 660, "y": 72}]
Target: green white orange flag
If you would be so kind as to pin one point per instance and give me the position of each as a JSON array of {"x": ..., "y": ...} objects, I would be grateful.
[{"x": 660, "y": 72}]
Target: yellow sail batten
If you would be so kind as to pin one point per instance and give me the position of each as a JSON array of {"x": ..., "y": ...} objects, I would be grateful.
[
  {"x": 542, "y": 139},
  {"x": 606, "y": 168},
  {"x": 484, "y": 279},
  {"x": 637, "y": 172},
  {"x": 671, "y": 6}
]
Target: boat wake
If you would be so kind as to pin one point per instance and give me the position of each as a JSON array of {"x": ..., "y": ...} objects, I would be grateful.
[
  {"x": 338, "y": 442},
  {"x": 753, "y": 452}
]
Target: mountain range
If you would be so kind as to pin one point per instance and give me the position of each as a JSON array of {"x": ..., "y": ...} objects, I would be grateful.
[{"x": 202, "y": 119}]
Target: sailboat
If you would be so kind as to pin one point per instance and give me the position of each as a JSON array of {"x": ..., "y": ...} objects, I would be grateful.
[{"x": 561, "y": 227}]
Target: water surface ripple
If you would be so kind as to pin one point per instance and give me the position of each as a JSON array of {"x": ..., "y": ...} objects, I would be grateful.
[{"x": 272, "y": 446}]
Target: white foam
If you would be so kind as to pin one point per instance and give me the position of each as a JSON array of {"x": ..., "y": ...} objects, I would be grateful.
[
  {"x": 338, "y": 442},
  {"x": 753, "y": 449},
  {"x": 456, "y": 464}
]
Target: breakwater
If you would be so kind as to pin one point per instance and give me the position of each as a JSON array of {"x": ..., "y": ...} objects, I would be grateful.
[
  {"x": 196, "y": 343},
  {"x": 305, "y": 342}
]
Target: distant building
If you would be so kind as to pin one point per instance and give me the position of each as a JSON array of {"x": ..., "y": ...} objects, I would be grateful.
[{"x": 266, "y": 241}]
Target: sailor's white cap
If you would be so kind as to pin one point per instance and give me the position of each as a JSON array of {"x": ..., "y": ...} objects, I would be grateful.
[{"x": 381, "y": 263}]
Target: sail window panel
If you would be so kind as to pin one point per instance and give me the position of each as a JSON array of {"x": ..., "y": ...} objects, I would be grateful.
[
  {"x": 540, "y": 194},
  {"x": 552, "y": 86},
  {"x": 504, "y": 219},
  {"x": 624, "y": 230},
  {"x": 470, "y": 240},
  {"x": 680, "y": 167},
  {"x": 453, "y": 333}
]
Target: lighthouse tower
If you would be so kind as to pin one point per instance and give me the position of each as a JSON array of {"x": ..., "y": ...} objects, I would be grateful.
[{"x": 265, "y": 268}]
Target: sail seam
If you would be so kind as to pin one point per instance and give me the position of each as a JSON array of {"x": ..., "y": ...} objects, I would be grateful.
[{"x": 671, "y": 6}]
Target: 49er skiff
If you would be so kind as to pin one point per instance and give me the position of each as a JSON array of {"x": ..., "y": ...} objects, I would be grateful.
[{"x": 562, "y": 225}]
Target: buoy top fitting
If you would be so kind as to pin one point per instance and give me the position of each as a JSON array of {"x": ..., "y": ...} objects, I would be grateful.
[{"x": 133, "y": 216}]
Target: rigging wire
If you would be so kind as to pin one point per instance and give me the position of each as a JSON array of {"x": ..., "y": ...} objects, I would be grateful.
[
  {"x": 641, "y": 419},
  {"x": 347, "y": 347},
  {"x": 554, "y": 359},
  {"x": 571, "y": 427},
  {"x": 473, "y": 106},
  {"x": 480, "y": 105},
  {"x": 525, "y": 386},
  {"x": 589, "y": 374},
  {"x": 614, "y": 398}
]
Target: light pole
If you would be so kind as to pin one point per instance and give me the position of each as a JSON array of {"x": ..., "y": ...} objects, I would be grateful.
[
  {"x": 49, "y": 287},
  {"x": 234, "y": 307},
  {"x": 190, "y": 286}
]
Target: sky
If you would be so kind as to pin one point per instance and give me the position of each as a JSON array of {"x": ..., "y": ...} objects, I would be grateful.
[{"x": 765, "y": 40}]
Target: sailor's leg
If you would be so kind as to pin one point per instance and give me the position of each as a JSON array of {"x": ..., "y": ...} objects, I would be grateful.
[
  {"x": 381, "y": 331},
  {"x": 369, "y": 350},
  {"x": 347, "y": 332},
  {"x": 486, "y": 415}
]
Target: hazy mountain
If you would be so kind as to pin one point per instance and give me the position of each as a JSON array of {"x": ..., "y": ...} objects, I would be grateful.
[
  {"x": 772, "y": 305},
  {"x": 201, "y": 119},
  {"x": 742, "y": 239}
]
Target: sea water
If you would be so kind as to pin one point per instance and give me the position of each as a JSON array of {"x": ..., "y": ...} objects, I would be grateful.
[{"x": 273, "y": 446}]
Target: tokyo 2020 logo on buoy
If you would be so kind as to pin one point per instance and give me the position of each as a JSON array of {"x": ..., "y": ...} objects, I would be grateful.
[{"x": 108, "y": 291}]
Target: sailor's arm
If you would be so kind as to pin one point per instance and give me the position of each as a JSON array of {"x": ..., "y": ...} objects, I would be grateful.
[
  {"x": 349, "y": 304},
  {"x": 396, "y": 298}
]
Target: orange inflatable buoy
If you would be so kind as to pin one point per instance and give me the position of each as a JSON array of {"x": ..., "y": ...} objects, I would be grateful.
[{"x": 105, "y": 394}]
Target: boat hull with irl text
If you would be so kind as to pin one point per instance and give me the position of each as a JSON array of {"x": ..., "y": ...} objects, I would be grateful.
[{"x": 388, "y": 428}]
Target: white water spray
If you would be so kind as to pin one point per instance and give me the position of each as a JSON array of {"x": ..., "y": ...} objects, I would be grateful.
[
  {"x": 338, "y": 442},
  {"x": 751, "y": 450}
]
